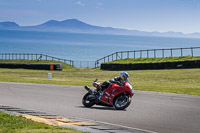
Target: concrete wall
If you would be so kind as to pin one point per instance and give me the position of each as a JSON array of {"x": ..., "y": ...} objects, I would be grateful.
[{"x": 151, "y": 66}]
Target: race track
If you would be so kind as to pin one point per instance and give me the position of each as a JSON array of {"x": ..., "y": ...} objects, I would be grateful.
[{"x": 159, "y": 112}]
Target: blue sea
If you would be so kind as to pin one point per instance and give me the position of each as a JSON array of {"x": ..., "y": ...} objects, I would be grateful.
[{"x": 83, "y": 47}]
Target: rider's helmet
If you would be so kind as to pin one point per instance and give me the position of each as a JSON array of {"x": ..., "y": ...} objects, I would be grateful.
[{"x": 124, "y": 76}]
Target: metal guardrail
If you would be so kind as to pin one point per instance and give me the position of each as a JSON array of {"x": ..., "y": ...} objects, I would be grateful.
[
  {"x": 28, "y": 56},
  {"x": 150, "y": 53}
]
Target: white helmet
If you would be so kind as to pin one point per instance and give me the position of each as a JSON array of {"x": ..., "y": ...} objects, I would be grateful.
[{"x": 124, "y": 75}]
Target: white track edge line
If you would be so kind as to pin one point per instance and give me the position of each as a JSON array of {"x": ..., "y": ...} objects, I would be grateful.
[{"x": 117, "y": 125}]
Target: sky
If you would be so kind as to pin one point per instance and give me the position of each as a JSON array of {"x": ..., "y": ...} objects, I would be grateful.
[{"x": 144, "y": 15}]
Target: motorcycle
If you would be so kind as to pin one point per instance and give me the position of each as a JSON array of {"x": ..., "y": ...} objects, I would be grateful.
[{"x": 117, "y": 95}]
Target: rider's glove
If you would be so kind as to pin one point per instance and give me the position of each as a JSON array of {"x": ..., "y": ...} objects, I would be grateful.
[{"x": 118, "y": 83}]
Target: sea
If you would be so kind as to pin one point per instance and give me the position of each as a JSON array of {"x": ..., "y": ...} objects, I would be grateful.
[{"x": 84, "y": 47}]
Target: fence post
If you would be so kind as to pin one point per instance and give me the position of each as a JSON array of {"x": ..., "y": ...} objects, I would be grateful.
[
  {"x": 140, "y": 53},
  {"x": 181, "y": 52},
  {"x": 121, "y": 55},
  {"x": 128, "y": 54},
  {"x": 192, "y": 51},
  {"x": 147, "y": 53},
  {"x": 163, "y": 54},
  {"x": 134, "y": 54},
  {"x": 116, "y": 55},
  {"x": 97, "y": 64},
  {"x": 112, "y": 57},
  {"x": 154, "y": 53},
  {"x": 171, "y": 53}
]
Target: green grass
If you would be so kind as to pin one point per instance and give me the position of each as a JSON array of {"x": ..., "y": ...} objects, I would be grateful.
[
  {"x": 181, "y": 81},
  {"x": 156, "y": 60},
  {"x": 18, "y": 124}
]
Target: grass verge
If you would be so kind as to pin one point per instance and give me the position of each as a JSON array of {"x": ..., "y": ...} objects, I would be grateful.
[
  {"x": 156, "y": 60},
  {"x": 181, "y": 81},
  {"x": 18, "y": 124}
]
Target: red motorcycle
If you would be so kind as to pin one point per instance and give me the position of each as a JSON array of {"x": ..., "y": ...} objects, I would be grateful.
[{"x": 117, "y": 95}]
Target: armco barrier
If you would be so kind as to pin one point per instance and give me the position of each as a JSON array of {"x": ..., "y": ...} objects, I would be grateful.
[
  {"x": 32, "y": 66},
  {"x": 151, "y": 66}
]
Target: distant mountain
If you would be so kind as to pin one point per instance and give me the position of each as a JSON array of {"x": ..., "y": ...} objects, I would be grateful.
[
  {"x": 71, "y": 25},
  {"x": 8, "y": 25},
  {"x": 76, "y": 26}
]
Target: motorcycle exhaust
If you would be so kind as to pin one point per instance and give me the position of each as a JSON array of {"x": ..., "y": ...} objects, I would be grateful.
[{"x": 88, "y": 89}]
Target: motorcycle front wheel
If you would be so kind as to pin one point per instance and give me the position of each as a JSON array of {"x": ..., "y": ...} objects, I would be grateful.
[
  {"x": 122, "y": 102},
  {"x": 86, "y": 101}
]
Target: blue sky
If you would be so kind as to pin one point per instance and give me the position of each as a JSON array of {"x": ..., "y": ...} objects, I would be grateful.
[{"x": 144, "y": 15}]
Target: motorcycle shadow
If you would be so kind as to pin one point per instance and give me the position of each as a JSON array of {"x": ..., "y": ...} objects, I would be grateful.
[{"x": 100, "y": 108}]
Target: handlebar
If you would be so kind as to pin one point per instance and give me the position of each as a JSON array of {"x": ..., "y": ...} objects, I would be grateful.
[{"x": 95, "y": 80}]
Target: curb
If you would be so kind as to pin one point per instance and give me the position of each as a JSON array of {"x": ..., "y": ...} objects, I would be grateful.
[{"x": 80, "y": 124}]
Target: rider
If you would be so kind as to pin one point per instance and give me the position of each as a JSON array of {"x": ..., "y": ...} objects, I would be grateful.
[{"x": 117, "y": 80}]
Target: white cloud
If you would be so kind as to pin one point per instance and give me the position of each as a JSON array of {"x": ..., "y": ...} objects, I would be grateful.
[
  {"x": 80, "y": 3},
  {"x": 99, "y": 5}
]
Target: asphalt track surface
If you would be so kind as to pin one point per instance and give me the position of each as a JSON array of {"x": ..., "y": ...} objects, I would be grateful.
[{"x": 152, "y": 111}]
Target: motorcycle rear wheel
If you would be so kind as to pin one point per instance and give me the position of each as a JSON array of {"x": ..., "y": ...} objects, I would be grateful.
[
  {"x": 86, "y": 102},
  {"x": 122, "y": 102}
]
